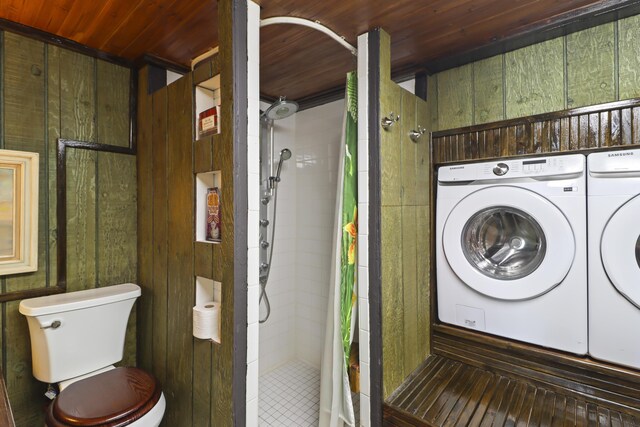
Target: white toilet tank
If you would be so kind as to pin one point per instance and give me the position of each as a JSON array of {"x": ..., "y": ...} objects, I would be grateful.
[{"x": 76, "y": 333}]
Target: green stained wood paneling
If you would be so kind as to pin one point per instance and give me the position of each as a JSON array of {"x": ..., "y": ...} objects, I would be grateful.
[
  {"x": 410, "y": 290},
  {"x": 113, "y": 94},
  {"x": 407, "y": 149},
  {"x": 392, "y": 299},
  {"x": 24, "y": 129},
  {"x": 81, "y": 219},
  {"x": 390, "y": 152},
  {"x": 25, "y": 392},
  {"x": 77, "y": 96},
  {"x": 144, "y": 166},
  {"x": 535, "y": 79},
  {"x": 422, "y": 154},
  {"x": 117, "y": 203},
  {"x": 591, "y": 66},
  {"x": 181, "y": 287},
  {"x": 116, "y": 226},
  {"x": 423, "y": 261},
  {"x": 432, "y": 102},
  {"x": 53, "y": 133},
  {"x": 629, "y": 57},
  {"x": 488, "y": 90},
  {"x": 158, "y": 187},
  {"x": 49, "y": 93},
  {"x": 455, "y": 97}
]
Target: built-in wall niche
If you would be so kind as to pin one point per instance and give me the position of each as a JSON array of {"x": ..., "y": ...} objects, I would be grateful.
[
  {"x": 208, "y": 207},
  {"x": 207, "y": 117},
  {"x": 208, "y": 309}
]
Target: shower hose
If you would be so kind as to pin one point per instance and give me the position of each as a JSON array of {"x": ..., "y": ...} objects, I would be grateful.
[{"x": 264, "y": 279}]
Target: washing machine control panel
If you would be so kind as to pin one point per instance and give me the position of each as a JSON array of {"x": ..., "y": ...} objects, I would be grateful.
[{"x": 530, "y": 167}]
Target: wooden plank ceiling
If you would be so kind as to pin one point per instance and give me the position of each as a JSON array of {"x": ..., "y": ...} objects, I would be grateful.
[{"x": 296, "y": 61}]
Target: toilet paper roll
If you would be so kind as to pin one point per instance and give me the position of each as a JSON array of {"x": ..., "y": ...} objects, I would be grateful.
[{"x": 206, "y": 321}]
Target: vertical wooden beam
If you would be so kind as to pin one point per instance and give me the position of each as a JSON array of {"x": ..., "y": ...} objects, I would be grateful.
[
  {"x": 160, "y": 233},
  {"x": 181, "y": 287},
  {"x": 145, "y": 197}
]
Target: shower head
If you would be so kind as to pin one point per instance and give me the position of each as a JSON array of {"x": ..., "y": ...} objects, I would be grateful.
[
  {"x": 285, "y": 154},
  {"x": 281, "y": 109}
]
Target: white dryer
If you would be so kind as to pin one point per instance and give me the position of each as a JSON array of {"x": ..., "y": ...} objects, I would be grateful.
[
  {"x": 614, "y": 256},
  {"x": 511, "y": 249}
]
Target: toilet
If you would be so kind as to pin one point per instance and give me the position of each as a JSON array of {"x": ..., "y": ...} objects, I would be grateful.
[{"x": 76, "y": 338}]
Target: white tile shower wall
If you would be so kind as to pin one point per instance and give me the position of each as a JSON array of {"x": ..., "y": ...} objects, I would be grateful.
[
  {"x": 253, "y": 145},
  {"x": 363, "y": 228},
  {"x": 277, "y": 335},
  {"x": 318, "y": 135}
]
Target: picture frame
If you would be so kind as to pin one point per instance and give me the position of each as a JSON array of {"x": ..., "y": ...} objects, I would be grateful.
[{"x": 18, "y": 212}]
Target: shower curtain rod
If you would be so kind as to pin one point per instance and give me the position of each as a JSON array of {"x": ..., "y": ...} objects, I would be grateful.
[{"x": 311, "y": 24}]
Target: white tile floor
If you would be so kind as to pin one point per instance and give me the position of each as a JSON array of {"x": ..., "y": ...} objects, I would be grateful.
[{"x": 290, "y": 396}]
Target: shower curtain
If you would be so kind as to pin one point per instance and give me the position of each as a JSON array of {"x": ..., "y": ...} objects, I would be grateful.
[{"x": 336, "y": 407}]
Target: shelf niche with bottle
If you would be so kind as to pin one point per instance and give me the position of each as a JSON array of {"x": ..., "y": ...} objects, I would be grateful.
[
  {"x": 207, "y": 99},
  {"x": 208, "y": 207}
]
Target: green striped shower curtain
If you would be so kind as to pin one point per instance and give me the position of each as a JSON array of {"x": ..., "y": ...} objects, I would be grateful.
[{"x": 336, "y": 407}]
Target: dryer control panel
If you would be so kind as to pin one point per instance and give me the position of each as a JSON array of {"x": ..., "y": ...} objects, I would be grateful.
[{"x": 551, "y": 167}]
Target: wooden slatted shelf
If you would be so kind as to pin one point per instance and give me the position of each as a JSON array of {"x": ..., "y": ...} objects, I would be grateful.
[
  {"x": 614, "y": 124},
  {"x": 446, "y": 392}
]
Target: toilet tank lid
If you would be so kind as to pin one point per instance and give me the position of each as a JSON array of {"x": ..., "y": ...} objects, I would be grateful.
[{"x": 79, "y": 299}]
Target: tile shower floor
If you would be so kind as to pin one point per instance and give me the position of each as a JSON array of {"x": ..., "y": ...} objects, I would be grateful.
[{"x": 290, "y": 397}]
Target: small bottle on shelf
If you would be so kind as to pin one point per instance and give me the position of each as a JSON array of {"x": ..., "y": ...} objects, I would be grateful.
[{"x": 213, "y": 215}]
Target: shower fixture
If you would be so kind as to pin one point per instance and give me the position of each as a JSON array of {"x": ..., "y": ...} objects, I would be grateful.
[
  {"x": 285, "y": 154},
  {"x": 270, "y": 177},
  {"x": 390, "y": 120},
  {"x": 281, "y": 109}
]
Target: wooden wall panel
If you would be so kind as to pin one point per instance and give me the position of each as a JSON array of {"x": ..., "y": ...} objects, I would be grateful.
[
  {"x": 77, "y": 96},
  {"x": 196, "y": 374},
  {"x": 112, "y": 93},
  {"x": 391, "y": 102},
  {"x": 145, "y": 197},
  {"x": 455, "y": 101},
  {"x": 629, "y": 57},
  {"x": 535, "y": 79},
  {"x": 50, "y": 93},
  {"x": 159, "y": 187},
  {"x": 591, "y": 77},
  {"x": 432, "y": 102},
  {"x": 589, "y": 67},
  {"x": 81, "y": 219},
  {"x": 405, "y": 169},
  {"x": 407, "y": 149},
  {"x": 117, "y": 229},
  {"x": 180, "y": 279},
  {"x": 24, "y": 129},
  {"x": 392, "y": 300},
  {"x": 488, "y": 93}
]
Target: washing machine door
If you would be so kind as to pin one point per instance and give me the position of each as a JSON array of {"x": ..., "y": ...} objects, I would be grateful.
[
  {"x": 508, "y": 243},
  {"x": 620, "y": 250}
]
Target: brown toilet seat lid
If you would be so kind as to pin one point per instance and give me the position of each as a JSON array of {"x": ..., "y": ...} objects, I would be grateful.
[{"x": 108, "y": 398}]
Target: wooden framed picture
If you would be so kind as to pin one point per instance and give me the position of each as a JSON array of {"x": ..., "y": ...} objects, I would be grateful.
[{"x": 18, "y": 212}]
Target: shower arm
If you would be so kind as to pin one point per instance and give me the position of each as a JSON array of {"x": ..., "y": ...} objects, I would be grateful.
[{"x": 311, "y": 24}]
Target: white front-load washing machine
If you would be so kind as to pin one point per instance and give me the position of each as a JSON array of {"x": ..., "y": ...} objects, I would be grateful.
[
  {"x": 614, "y": 256},
  {"x": 511, "y": 256}
]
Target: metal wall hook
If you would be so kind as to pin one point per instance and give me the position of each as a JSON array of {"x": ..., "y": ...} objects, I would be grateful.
[
  {"x": 389, "y": 121},
  {"x": 416, "y": 134}
]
